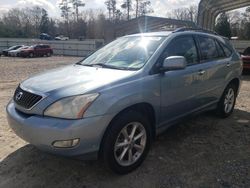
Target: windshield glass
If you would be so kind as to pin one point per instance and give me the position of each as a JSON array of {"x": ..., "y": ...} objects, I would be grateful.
[
  {"x": 14, "y": 47},
  {"x": 129, "y": 53}
]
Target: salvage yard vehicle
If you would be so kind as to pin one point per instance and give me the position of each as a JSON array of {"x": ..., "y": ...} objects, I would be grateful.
[
  {"x": 6, "y": 51},
  {"x": 112, "y": 104},
  {"x": 45, "y": 36},
  {"x": 246, "y": 59},
  {"x": 61, "y": 37},
  {"x": 16, "y": 53},
  {"x": 38, "y": 50}
]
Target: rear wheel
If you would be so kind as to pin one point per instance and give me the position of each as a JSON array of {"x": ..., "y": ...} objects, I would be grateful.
[
  {"x": 48, "y": 54},
  {"x": 227, "y": 102},
  {"x": 127, "y": 142},
  {"x": 31, "y": 55}
]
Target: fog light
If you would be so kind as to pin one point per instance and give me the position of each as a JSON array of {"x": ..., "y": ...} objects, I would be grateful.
[{"x": 66, "y": 143}]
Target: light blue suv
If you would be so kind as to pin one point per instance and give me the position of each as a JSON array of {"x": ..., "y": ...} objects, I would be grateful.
[{"x": 112, "y": 104}]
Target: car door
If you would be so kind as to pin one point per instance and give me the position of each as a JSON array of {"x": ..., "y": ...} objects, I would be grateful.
[
  {"x": 213, "y": 69},
  {"x": 37, "y": 50},
  {"x": 45, "y": 49},
  {"x": 179, "y": 87}
]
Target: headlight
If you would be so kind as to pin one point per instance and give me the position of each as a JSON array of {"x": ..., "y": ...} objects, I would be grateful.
[{"x": 71, "y": 107}]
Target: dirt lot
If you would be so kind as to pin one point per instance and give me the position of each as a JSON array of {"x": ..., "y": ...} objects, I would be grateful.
[{"x": 202, "y": 152}]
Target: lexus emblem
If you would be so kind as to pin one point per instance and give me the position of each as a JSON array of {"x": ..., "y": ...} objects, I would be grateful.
[{"x": 18, "y": 96}]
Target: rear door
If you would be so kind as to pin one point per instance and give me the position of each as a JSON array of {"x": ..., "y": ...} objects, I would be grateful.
[
  {"x": 213, "y": 69},
  {"x": 43, "y": 50},
  {"x": 46, "y": 50},
  {"x": 179, "y": 87},
  {"x": 38, "y": 50}
]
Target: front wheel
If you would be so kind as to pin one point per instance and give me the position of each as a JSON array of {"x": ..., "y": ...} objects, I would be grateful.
[
  {"x": 227, "y": 102},
  {"x": 127, "y": 142}
]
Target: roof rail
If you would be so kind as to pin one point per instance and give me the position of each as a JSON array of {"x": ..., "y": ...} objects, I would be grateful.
[{"x": 194, "y": 29}]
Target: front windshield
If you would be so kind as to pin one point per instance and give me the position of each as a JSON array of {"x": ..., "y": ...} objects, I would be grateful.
[
  {"x": 13, "y": 47},
  {"x": 127, "y": 53}
]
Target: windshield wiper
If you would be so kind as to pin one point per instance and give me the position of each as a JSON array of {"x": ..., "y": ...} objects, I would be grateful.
[{"x": 107, "y": 66}]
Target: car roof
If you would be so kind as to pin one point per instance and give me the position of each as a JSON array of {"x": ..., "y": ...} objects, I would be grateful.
[
  {"x": 162, "y": 33},
  {"x": 180, "y": 32}
]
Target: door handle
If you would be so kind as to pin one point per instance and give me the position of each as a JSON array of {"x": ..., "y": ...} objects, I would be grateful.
[{"x": 201, "y": 72}]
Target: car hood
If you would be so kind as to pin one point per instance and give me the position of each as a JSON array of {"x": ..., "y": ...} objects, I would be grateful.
[{"x": 73, "y": 79}]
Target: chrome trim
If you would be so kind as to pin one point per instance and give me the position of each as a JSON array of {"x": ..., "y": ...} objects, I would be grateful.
[{"x": 43, "y": 95}]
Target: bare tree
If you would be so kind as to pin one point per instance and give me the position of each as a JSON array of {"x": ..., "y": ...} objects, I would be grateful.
[
  {"x": 127, "y": 5},
  {"x": 114, "y": 14},
  {"x": 142, "y": 8},
  {"x": 145, "y": 8},
  {"x": 193, "y": 13},
  {"x": 188, "y": 14},
  {"x": 109, "y": 7},
  {"x": 65, "y": 9},
  {"x": 136, "y": 8},
  {"x": 76, "y": 4},
  {"x": 65, "y": 13}
]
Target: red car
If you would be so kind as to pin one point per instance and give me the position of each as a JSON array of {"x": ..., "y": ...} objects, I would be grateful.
[
  {"x": 246, "y": 59},
  {"x": 37, "y": 50}
]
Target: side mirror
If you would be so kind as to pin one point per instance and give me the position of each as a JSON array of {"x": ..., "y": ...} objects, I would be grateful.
[{"x": 174, "y": 63}]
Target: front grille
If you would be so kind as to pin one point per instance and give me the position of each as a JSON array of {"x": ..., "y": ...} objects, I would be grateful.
[{"x": 26, "y": 99}]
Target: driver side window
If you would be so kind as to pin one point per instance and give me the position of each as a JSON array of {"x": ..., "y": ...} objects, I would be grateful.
[{"x": 182, "y": 46}]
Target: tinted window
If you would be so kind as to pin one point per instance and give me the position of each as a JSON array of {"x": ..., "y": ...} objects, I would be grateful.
[
  {"x": 226, "y": 49},
  {"x": 220, "y": 49},
  {"x": 208, "y": 48},
  {"x": 247, "y": 51},
  {"x": 182, "y": 46}
]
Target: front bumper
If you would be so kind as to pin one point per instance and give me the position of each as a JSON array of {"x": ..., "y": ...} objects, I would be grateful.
[{"x": 43, "y": 131}]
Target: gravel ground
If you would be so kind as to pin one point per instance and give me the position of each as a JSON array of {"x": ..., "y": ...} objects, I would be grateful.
[{"x": 202, "y": 152}]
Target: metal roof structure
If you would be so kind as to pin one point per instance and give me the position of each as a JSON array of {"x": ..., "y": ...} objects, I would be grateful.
[
  {"x": 210, "y": 9},
  {"x": 150, "y": 24}
]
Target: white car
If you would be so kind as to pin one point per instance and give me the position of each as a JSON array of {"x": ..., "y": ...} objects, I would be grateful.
[
  {"x": 61, "y": 37},
  {"x": 16, "y": 53}
]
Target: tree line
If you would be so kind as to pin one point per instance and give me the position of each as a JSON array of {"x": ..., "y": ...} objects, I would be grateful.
[
  {"x": 76, "y": 21},
  {"x": 234, "y": 24}
]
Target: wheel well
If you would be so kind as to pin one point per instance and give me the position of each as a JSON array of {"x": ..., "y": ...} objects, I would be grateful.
[
  {"x": 146, "y": 109},
  {"x": 236, "y": 82}
]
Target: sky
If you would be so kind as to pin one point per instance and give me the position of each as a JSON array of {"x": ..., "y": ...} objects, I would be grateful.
[{"x": 161, "y": 7}]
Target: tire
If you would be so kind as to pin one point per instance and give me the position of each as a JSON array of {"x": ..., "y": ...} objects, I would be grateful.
[
  {"x": 226, "y": 104},
  {"x": 115, "y": 138},
  {"x": 48, "y": 54},
  {"x": 31, "y": 55}
]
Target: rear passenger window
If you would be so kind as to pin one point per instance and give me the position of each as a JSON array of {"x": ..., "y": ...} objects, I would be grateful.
[
  {"x": 220, "y": 49},
  {"x": 182, "y": 46},
  {"x": 208, "y": 48},
  {"x": 227, "y": 50}
]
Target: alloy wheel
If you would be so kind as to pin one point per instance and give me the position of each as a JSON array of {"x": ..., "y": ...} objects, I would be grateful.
[
  {"x": 229, "y": 100},
  {"x": 130, "y": 144}
]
